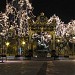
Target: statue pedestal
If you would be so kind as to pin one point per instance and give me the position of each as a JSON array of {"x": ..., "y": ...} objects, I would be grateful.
[{"x": 41, "y": 54}]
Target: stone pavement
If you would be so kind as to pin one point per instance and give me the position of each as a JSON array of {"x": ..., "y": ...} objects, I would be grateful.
[
  {"x": 20, "y": 68},
  {"x": 61, "y": 67},
  {"x": 30, "y": 67}
]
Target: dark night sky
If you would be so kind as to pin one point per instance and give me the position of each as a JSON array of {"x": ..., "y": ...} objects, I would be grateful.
[{"x": 65, "y": 9}]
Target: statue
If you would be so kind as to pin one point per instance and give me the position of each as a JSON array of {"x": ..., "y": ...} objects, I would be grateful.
[{"x": 43, "y": 41}]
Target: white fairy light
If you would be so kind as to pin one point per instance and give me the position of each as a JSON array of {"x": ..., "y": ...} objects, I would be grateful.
[
  {"x": 22, "y": 15},
  {"x": 60, "y": 26},
  {"x": 71, "y": 28}
]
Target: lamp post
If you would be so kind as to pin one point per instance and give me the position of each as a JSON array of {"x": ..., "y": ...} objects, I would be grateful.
[
  {"x": 7, "y": 44},
  {"x": 23, "y": 44},
  {"x": 58, "y": 41}
]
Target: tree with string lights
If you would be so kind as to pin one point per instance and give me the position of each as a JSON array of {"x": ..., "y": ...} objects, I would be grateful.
[{"x": 14, "y": 22}]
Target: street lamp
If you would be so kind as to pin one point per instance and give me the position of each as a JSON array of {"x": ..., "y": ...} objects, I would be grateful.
[
  {"x": 23, "y": 43},
  {"x": 58, "y": 40},
  {"x": 7, "y": 44}
]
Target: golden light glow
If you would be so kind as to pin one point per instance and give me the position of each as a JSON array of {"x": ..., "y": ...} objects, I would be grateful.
[
  {"x": 73, "y": 37},
  {"x": 58, "y": 40},
  {"x": 23, "y": 43},
  {"x": 7, "y": 43}
]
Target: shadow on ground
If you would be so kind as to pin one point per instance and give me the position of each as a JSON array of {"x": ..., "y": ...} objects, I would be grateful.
[{"x": 43, "y": 69}]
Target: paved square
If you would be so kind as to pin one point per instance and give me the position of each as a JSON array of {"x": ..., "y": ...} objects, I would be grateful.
[{"x": 55, "y": 67}]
